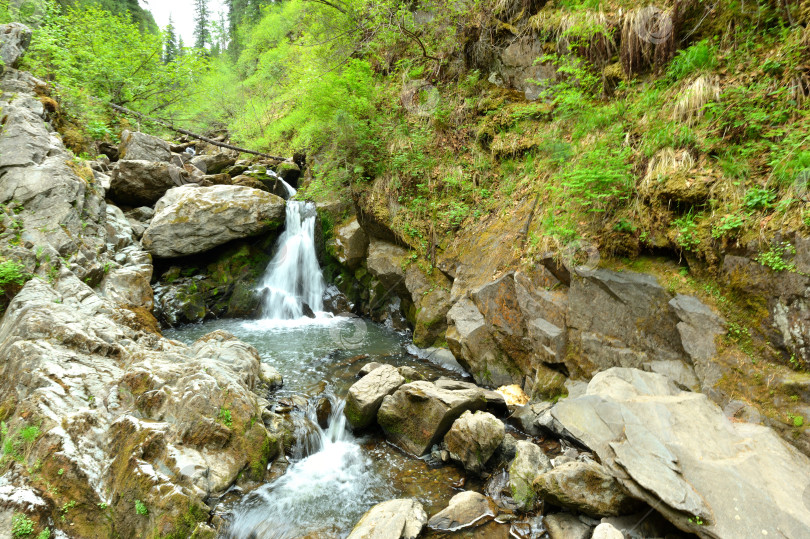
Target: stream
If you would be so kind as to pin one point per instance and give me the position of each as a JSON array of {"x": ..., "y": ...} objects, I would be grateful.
[{"x": 333, "y": 477}]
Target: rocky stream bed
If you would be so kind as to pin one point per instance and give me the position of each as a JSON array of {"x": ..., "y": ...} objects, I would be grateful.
[{"x": 175, "y": 363}]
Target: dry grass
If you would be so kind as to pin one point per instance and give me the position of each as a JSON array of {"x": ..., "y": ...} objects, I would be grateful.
[
  {"x": 648, "y": 38},
  {"x": 665, "y": 162},
  {"x": 702, "y": 91},
  {"x": 588, "y": 34},
  {"x": 514, "y": 10}
]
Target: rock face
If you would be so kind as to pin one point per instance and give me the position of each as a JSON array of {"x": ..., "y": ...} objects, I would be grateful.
[
  {"x": 419, "y": 414},
  {"x": 529, "y": 462},
  {"x": 15, "y": 41},
  {"x": 350, "y": 244},
  {"x": 191, "y": 220},
  {"x": 141, "y": 182},
  {"x": 366, "y": 395},
  {"x": 586, "y": 487},
  {"x": 678, "y": 451},
  {"x": 473, "y": 439},
  {"x": 142, "y": 147},
  {"x": 124, "y": 414},
  {"x": 466, "y": 509},
  {"x": 394, "y": 519}
]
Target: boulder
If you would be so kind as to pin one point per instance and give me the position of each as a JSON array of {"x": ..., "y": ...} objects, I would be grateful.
[
  {"x": 350, "y": 244},
  {"x": 366, "y": 395},
  {"x": 473, "y": 439},
  {"x": 566, "y": 526},
  {"x": 394, "y": 519},
  {"x": 418, "y": 415},
  {"x": 14, "y": 40},
  {"x": 679, "y": 452},
  {"x": 529, "y": 462},
  {"x": 385, "y": 263},
  {"x": 584, "y": 486},
  {"x": 466, "y": 509},
  {"x": 368, "y": 367},
  {"x": 137, "y": 146},
  {"x": 191, "y": 220},
  {"x": 139, "y": 183},
  {"x": 289, "y": 172},
  {"x": 430, "y": 295},
  {"x": 606, "y": 531},
  {"x": 213, "y": 163},
  {"x": 699, "y": 327}
]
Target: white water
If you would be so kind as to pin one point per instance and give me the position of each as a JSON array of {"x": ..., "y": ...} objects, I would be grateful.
[
  {"x": 293, "y": 277},
  {"x": 324, "y": 492}
]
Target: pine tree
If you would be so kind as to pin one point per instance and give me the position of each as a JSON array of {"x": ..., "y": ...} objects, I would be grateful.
[
  {"x": 181, "y": 48},
  {"x": 170, "y": 45},
  {"x": 202, "y": 35}
]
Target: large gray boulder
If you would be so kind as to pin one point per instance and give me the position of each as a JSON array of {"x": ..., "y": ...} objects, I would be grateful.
[
  {"x": 385, "y": 263},
  {"x": 466, "y": 510},
  {"x": 14, "y": 40},
  {"x": 586, "y": 487},
  {"x": 213, "y": 163},
  {"x": 350, "y": 244},
  {"x": 142, "y": 147},
  {"x": 191, "y": 219},
  {"x": 417, "y": 415},
  {"x": 678, "y": 451},
  {"x": 366, "y": 395},
  {"x": 473, "y": 439},
  {"x": 394, "y": 519},
  {"x": 143, "y": 182},
  {"x": 529, "y": 462}
]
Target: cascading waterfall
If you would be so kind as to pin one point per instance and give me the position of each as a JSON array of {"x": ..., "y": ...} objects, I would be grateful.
[
  {"x": 326, "y": 490},
  {"x": 293, "y": 278}
]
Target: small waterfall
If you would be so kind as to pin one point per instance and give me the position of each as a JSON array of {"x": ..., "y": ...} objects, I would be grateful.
[
  {"x": 293, "y": 277},
  {"x": 325, "y": 491}
]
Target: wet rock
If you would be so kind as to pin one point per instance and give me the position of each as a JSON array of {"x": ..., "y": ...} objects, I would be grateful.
[
  {"x": 137, "y": 146},
  {"x": 430, "y": 295},
  {"x": 213, "y": 163},
  {"x": 679, "y": 452},
  {"x": 410, "y": 374},
  {"x": 606, "y": 531},
  {"x": 385, "y": 263},
  {"x": 289, "y": 172},
  {"x": 473, "y": 439},
  {"x": 350, "y": 244},
  {"x": 394, "y": 519},
  {"x": 466, "y": 509},
  {"x": 270, "y": 376},
  {"x": 191, "y": 220},
  {"x": 368, "y": 367},
  {"x": 495, "y": 401},
  {"x": 418, "y": 415},
  {"x": 529, "y": 462},
  {"x": 142, "y": 182},
  {"x": 335, "y": 301},
  {"x": 14, "y": 42},
  {"x": 566, "y": 526},
  {"x": 584, "y": 486},
  {"x": 323, "y": 411},
  {"x": 366, "y": 395}
]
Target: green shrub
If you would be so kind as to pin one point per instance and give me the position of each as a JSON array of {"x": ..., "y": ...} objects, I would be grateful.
[{"x": 700, "y": 56}]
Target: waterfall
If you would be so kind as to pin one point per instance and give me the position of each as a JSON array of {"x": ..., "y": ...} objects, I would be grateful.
[
  {"x": 324, "y": 491},
  {"x": 293, "y": 277}
]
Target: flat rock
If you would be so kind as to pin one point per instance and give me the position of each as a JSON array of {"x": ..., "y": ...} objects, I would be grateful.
[
  {"x": 191, "y": 220},
  {"x": 678, "y": 451},
  {"x": 394, "y": 519},
  {"x": 473, "y": 439},
  {"x": 366, "y": 395},
  {"x": 418, "y": 415},
  {"x": 466, "y": 509}
]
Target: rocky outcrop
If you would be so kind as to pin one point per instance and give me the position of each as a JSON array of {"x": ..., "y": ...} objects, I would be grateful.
[
  {"x": 142, "y": 183},
  {"x": 473, "y": 439},
  {"x": 677, "y": 450},
  {"x": 15, "y": 41},
  {"x": 366, "y": 395},
  {"x": 394, "y": 519},
  {"x": 417, "y": 415},
  {"x": 350, "y": 244},
  {"x": 191, "y": 220},
  {"x": 122, "y": 414},
  {"x": 137, "y": 146}
]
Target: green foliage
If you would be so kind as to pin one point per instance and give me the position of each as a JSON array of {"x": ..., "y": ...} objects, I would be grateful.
[
  {"x": 44, "y": 534},
  {"x": 12, "y": 273},
  {"x": 21, "y": 525},
  {"x": 686, "y": 232},
  {"x": 728, "y": 225},
  {"x": 140, "y": 508},
  {"x": 225, "y": 417},
  {"x": 599, "y": 178},
  {"x": 758, "y": 198},
  {"x": 700, "y": 56},
  {"x": 774, "y": 257}
]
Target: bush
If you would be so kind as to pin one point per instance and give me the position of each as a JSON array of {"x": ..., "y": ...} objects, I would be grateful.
[{"x": 700, "y": 56}]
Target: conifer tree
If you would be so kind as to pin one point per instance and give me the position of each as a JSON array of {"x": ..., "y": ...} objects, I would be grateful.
[
  {"x": 202, "y": 35},
  {"x": 170, "y": 45}
]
